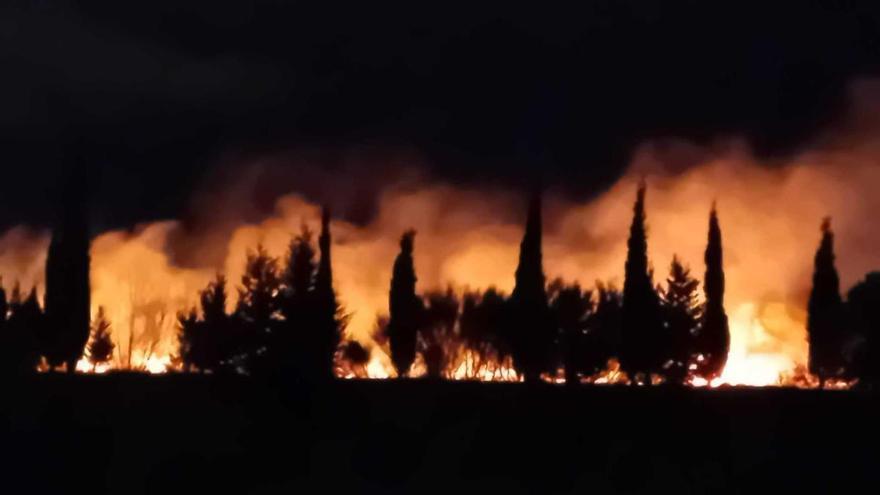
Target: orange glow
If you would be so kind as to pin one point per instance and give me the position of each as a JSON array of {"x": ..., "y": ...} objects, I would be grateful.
[{"x": 469, "y": 239}]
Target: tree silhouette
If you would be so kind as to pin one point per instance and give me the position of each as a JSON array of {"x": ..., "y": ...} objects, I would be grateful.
[
  {"x": 100, "y": 345},
  {"x": 67, "y": 280},
  {"x": 572, "y": 307},
  {"x": 330, "y": 320},
  {"x": 863, "y": 306},
  {"x": 602, "y": 341},
  {"x": 681, "y": 319},
  {"x": 531, "y": 322},
  {"x": 825, "y": 311},
  {"x": 641, "y": 325},
  {"x": 437, "y": 334},
  {"x": 189, "y": 341},
  {"x": 257, "y": 311},
  {"x": 714, "y": 336},
  {"x": 292, "y": 348},
  {"x": 483, "y": 325},
  {"x": 212, "y": 342},
  {"x": 20, "y": 349},
  {"x": 405, "y": 307}
]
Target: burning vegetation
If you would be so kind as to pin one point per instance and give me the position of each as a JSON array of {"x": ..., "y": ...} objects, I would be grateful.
[{"x": 473, "y": 296}]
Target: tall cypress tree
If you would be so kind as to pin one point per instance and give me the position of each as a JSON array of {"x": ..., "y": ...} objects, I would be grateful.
[
  {"x": 67, "y": 279},
  {"x": 714, "y": 332},
  {"x": 330, "y": 320},
  {"x": 404, "y": 306},
  {"x": 641, "y": 324},
  {"x": 531, "y": 321},
  {"x": 824, "y": 310}
]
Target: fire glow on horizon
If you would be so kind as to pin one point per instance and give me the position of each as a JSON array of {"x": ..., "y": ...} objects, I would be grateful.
[{"x": 469, "y": 239}]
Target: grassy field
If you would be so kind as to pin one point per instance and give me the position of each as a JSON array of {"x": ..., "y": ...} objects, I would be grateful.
[{"x": 153, "y": 434}]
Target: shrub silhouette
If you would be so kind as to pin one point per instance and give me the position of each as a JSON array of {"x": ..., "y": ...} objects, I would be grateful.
[
  {"x": 602, "y": 341},
  {"x": 482, "y": 326},
  {"x": 20, "y": 350},
  {"x": 863, "y": 306},
  {"x": 572, "y": 308},
  {"x": 438, "y": 333},
  {"x": 101, "y": 344}
]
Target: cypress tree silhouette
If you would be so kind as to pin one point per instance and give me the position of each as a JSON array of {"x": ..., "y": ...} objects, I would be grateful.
[
  {"x": 825, "y": 311},
  {"x": 405, "y": 307},
  {"x": 101, "y": 344},
  {"x": 330, "y": 320},
  {"x": 531, "y": 321},
  {"x": 67, "y": 279},
  {"x": 863, "y": 306},
  {"x": 681, "y": 314},
  {"x": 641, "y": 325},
  {"x": 257, "y": 311},
  {"x": 714, "y": 333},
  {"x": 572, "y": 308}
]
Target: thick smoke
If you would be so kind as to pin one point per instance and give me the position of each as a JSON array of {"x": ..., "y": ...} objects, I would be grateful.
[{"x": 770, "y": 215}]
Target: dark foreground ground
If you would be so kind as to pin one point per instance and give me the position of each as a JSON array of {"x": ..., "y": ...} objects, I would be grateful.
[{"x": 139, "y": 434}]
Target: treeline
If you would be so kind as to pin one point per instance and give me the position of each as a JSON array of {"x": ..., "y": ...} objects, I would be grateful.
[
  {"x": 654, "y": 332},
  {"x": 287, "y": 320}
]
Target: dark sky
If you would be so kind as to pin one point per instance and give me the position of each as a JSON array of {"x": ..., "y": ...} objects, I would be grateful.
[{"x": 153, "y": 94}]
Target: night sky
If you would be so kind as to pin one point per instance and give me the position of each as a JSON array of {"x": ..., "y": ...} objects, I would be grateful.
[{"x": 155, "y": 96}]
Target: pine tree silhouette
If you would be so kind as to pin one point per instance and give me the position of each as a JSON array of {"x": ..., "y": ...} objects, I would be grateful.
[
  {"x": 641, "y": 325},
  {"x": 531, "y": 322},
  {"x": 863, "y": 307},
  {"x": 572, "y": 309},
  {"x": 714, "y": 335},
  {"x": 67, "y": 280},
  {"x": 825, "y": 311},
  {"x": 292, "y": 345},
  {"x": 257, "y": 312},
  {"x": 405, "y": 307},
  {"x": 681, "y": 319},
  {"x": 101, "y": 344}
]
